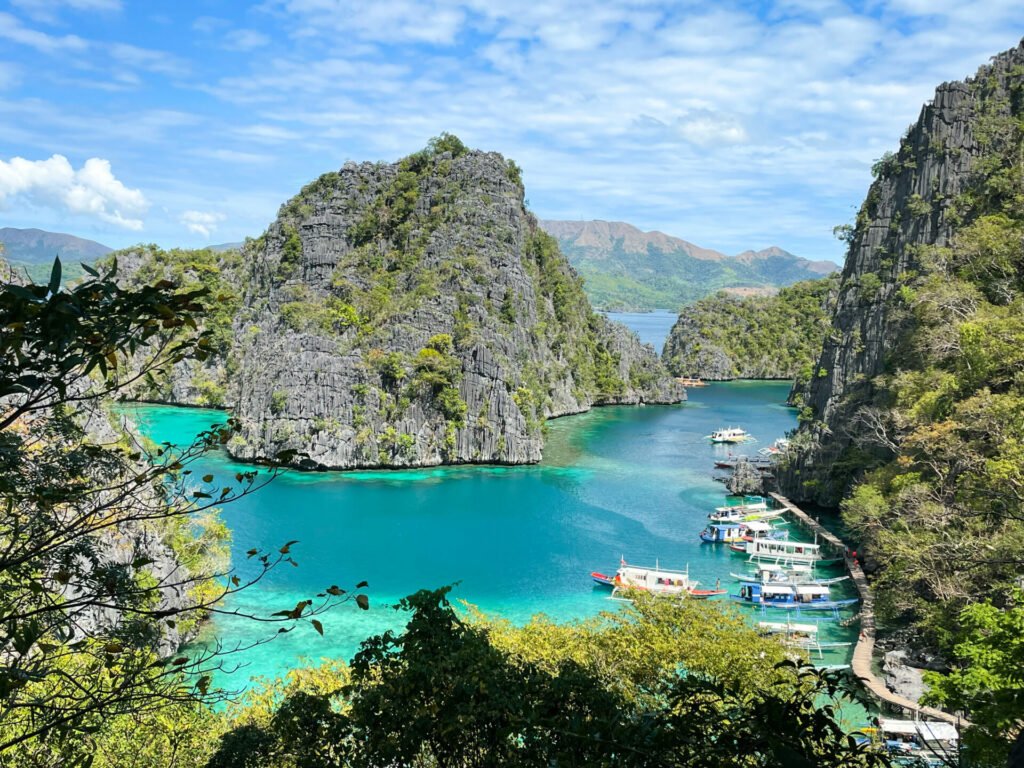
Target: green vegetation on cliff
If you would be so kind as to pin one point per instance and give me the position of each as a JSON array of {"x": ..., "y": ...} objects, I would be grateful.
[
  {"x": 761, "y": 337},
  {"x": 926, "y": 424}
]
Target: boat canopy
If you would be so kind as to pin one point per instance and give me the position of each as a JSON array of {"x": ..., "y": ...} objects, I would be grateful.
[
  {"x": 759, "y": 526},
  {"x": 928, "y": 729}
]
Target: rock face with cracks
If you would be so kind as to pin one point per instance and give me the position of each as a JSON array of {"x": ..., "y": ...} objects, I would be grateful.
[
  {"x": 912, "y": 205},
  {"x": 414, "y": 314}
]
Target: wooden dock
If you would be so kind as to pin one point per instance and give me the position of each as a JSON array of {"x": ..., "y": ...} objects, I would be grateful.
[{"x": 864, "y": 650}]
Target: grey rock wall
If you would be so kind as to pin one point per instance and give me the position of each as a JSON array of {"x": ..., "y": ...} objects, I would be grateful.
[
  {"x": 468, "y": 254},
  {"x": 935, "y": 163}
]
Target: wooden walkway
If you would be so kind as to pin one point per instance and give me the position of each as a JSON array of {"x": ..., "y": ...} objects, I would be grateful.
[{"x": 864, "y": 650}]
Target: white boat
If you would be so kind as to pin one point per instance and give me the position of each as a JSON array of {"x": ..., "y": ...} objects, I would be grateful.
[
  {"x": 744, "y": 513},
  {"x": 778, "y": 448},
  {"x": 787, "y": 553},
  {"x": 931, "y": 742},
  {"x": 730, "y": 435},
  {"x": 802, "y": 636},
  {"x": 771, "y": 573},
  {"x": 657, "y": 580}
]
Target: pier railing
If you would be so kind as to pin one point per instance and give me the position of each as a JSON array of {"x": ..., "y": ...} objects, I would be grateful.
[{"x": 864, "y": 650}]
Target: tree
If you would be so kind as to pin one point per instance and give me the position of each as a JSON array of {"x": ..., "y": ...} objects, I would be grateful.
[
  {"x": 443, "y": 694},
  {"x": 989, "y": 679},
  {"x": 94, "y": 601}
]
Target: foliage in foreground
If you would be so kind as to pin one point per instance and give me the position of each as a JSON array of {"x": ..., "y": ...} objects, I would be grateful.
[
  {"x": 447, "y": 692},
  {"x": 110, "y": 554}
]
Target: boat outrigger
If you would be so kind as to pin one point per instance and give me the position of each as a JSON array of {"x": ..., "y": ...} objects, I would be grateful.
[
  {"x": 802, "y": 636},
  {"x": 657, "y": 580},
  {"x": 730, "y": 435}
]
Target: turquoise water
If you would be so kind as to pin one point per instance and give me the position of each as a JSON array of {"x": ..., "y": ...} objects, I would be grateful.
[
  {"x": 651, "y": 327},
  {"x": 623, "y": 481}
]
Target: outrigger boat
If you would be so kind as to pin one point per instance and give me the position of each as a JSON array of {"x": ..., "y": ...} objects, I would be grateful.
[
  {"x": 747, "y": 506},
  {"x": 789, "y": 596},
  {"x": 761, "y": 465},
  {"x": 730, "y": 435},
  {"x": 770, "y": 573},
  {"x": 786, "y": 553},
  {"x": 717, "y": 533},
  {"x": 777, "y": 448},
  {"x": 917, "y": 742},
  {"x": 658, "y": 581},
  {"x": 691, "y": 382},
  {"x": 802, "y": 636},
  {"x": 743, "y": 515}
]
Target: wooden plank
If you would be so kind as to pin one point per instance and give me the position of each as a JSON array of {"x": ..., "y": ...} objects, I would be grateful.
[{"x": 864, "y": 650}]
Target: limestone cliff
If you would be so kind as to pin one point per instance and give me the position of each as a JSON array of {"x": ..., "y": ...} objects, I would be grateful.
[
  {"x": 921, "y": 195},
  {"x": 412, "y": 314}
]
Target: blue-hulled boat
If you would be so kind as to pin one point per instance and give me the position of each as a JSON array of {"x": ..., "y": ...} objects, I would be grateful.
[{"x": 789, "y": 596}]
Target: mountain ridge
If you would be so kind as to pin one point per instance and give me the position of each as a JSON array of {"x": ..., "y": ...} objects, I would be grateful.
[
  {"x": 39, "y": 246},
  {"x": 626, "y": 268}
]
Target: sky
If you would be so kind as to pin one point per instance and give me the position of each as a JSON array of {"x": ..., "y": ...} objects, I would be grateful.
[{"x": 733, "y": 125}]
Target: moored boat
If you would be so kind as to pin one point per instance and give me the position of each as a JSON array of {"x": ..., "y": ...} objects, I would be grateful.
[
  {"x": 789, "y": 596},
  {"x": 768, "y": 573},
  {"x": 730, "y": 435},
  {"x": 718, "y": 533},
  {"x": 802, "y": 636},
  {"x": 657, "y": 581},
  {"x": 787, "y": 553}
]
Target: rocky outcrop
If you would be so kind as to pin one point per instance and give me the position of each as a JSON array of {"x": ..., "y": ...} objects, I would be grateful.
[
  {"x": 762, "y": 337},
  {"x": 919, "y": 197},
  {"x": 414, "y": 314}
]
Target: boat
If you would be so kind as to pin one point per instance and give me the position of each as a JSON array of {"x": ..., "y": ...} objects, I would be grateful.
[
  {"x": 657, "y": 580},
  {"x": 743, "y": 515},
  {"x": 752, "y": 506},
  {"x": 786, "y": 553},
  {"x": 687, "y": 382},
  {"x": 778, "y": 448},
  {"x": 717, "y": 533},
  {"x": 789, "y": 596},
  {"x": 795, "y": 574},
  {"x": 802, "y": 636},
  {"x": 730, "y": 435},
  {"x": 917, "y": 742}
]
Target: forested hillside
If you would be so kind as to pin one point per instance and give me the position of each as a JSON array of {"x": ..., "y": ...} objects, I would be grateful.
[
  {"x": 625, "y": 269},
  {"x": 761, "y": 337},
  {"x": 915, "y": 419}
]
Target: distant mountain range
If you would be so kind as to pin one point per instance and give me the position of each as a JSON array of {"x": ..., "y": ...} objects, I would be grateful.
[
  {"x": 627, "y": 269},
  {"x": 33, "y": 251},
  {"x": 624, "y": 268},
  {"x": 37, "y": 246}
]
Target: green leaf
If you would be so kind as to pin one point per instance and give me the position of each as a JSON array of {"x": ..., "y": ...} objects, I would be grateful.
[
  {"x": 363, "y": 602},
  {"x": 55, "y": 274},
  {"x": 317, "y": 626}
]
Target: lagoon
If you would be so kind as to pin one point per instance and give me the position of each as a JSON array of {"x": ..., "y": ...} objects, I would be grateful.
[{"x": 633, "y": 482}]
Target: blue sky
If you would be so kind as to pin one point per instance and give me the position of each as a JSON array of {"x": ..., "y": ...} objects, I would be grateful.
[{"x": 733, "y": 125}]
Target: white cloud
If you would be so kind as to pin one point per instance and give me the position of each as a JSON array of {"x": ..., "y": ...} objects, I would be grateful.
[
  {"x": 92, "y": 190},
  {"x": 201, "y": 222},
  {"x": 707, "y": 129},
  {"x": 46, "y": 10},
  {"x": 245, "y": 40},
  {"x": 12, "y": 29}
]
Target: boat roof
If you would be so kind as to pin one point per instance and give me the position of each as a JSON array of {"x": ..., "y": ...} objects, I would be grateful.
[
  {"x": 785, "y": 626},
  {"x": 929, "y": 729},
  {"x": 758, "y": 525},
  {"x": 800, "y": 568},
  {"x": 722, "y": 524},
  {"x": 811, "y": 589},
  {"x": 770, "y": 567}
]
